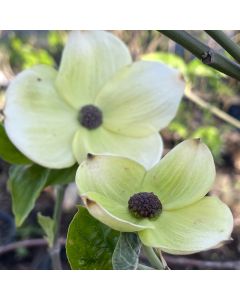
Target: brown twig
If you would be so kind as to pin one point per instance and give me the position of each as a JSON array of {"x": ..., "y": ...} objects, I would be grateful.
[
  {"x": 213, "y": 109},
  {"x": 27, "y": 244},
  {"x": 203, "y": 264},
  {"x": 173, "y": 260}
]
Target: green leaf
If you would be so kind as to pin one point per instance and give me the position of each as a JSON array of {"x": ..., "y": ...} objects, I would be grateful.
[
  {"x": 126, "y": 253},
  {"x": 47, "y": 225},
  {"x": 62, "y": 176},
  {"x": 180, "y": 129},
  {"x": 9, "y": 152},
  {"x": 90, "y": 244},
  {"x": 26, "y": 184}
]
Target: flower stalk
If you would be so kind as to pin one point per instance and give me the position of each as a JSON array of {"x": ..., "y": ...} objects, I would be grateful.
[
  {"x": 143, "y": 267},
  {"x": 56, "y": 248},
  {"x": 207, "y": 55},
  {"x": 152, "y": 257}
]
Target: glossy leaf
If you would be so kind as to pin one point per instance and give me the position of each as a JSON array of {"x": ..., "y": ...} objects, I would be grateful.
[
  {"x": 9, "y": 152},
  {"x": 90, "y": 244},
  {"x": 62, "y": 176},
  {"x": 26, "y": 184},
  {"x": 126, "y": 253},
  {"x": 47, "y": 225}
]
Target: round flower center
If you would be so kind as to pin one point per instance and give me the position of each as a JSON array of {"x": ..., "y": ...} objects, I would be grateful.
[
  {"x": 144, "y": 205},
  {"x": 90, "y": 116}
]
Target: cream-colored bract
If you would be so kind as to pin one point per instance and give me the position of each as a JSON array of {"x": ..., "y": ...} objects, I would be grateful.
[
  {"x": 197, "y": 227},
  {"x": 189, "y": 222},
  {"x": 107, "y": 214},
  {"x": 134, "y": 94},
  {"x": 137, "y": 100},
  {"x": 37, "y": 121},
  {"x": 183, "y": 176},
  {"x": 108, "y": 142},
  {"x": 90, "y": 59}
]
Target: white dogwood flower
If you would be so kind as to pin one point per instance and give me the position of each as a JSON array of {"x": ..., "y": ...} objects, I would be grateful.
[
  {"x": 99, "y": 102},
  {"x": 166, "y": 206}
]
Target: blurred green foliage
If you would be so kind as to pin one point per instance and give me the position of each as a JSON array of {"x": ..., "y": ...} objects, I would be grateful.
[
  {"x": 26, "y": 49},
  {"x": 212, "y": 137},
  {"x": 27, "y": 231},
  {"x": 25, "y": 55}
]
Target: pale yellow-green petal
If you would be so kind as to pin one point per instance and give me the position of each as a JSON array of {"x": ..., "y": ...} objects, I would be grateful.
[
  {"x": 145, "y": 150},
  {"x": 144, "y": 93},
  {"x": 89, "y": 60},
  {"x": 116, "y": 178},
  {"x": 38, "y": 122},
  {"x": 197, "y": 227},
  {"x": 183, "y": 176},
  {"x": 113, "y": 213}
]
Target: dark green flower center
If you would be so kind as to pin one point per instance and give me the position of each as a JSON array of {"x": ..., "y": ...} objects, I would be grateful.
[
  {"x": 144, "y": 205},
  {"x": 90, "y": 116}
]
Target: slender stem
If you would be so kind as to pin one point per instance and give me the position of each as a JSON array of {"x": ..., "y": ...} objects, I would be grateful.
[
  {"x": 164, "y": 263},
  {"x": 207, "y": 55},
  {"x": 222, "y": 39},
  {"x": 27, "y": 244},
  {"x": 214, "y": 110},
  {"x": 58, "y": 210},
  {"x": 178, "y": 260},
  {"x": 186, "y": 40},
  {"x": 143, "y": 267},
  {"x": 203, "y": 264},
  {"x": 56, "y": 248},
  {"x": 152, "y": 257}
]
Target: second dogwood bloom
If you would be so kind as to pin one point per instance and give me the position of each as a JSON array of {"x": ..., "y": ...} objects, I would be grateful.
[{"x": 167, "y": 206}]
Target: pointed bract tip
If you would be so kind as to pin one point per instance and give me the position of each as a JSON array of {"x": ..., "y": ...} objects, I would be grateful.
[
  {"x": 229, "y": 241},
  {"x": 90, "y": 156},
  {"x": 181, "y": 77},
  {"x": 89, "y": 203},
  {"x": 197, "y": 140},
  {"x": 224, "y": 242}
]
